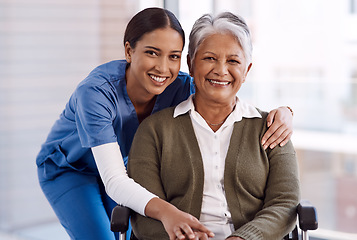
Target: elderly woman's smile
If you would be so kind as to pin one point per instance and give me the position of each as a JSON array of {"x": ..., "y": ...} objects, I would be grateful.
[{"x": 219, "y": 82}]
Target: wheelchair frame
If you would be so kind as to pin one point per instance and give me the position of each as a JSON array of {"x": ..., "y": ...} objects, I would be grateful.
[{"x": 307, "y": 220}]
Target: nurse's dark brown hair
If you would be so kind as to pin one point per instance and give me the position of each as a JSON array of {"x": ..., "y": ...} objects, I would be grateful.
[{"x": 149, "y": 20}]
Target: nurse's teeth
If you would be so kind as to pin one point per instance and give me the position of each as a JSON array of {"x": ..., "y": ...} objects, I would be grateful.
[{"x": 158, "y": 79}]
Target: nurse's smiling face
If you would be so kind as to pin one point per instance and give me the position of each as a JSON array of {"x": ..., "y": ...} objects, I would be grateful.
[{"x": 155, "y": 61}]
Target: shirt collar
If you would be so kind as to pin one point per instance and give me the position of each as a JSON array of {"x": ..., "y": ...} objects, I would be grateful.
[{"x": 242, "y": 109}]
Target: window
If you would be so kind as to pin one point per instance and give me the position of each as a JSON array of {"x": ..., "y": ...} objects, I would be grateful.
[{"x": 353, "y": 6}]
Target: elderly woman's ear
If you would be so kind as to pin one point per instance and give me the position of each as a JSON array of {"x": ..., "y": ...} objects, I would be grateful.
[
  {"x": 189, "y": 65},
  {"x": 246, "y": 73}
]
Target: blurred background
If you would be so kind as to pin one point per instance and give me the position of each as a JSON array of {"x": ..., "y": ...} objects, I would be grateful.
[{"x": 305, "y": 56}]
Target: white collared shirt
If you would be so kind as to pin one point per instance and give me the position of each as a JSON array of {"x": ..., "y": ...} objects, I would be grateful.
[{"x": 214, "y": 146}]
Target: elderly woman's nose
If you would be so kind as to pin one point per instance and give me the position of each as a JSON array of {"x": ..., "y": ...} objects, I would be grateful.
[{"x": 220, "y": 68}]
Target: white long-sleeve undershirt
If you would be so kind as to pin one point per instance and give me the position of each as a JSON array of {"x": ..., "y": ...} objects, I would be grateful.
[{"x": 122, "y": 189}]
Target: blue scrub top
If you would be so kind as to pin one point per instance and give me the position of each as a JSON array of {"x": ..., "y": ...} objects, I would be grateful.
[{"x": 98, "y": 112}]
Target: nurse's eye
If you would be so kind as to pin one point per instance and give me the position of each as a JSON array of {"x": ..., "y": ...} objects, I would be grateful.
[
  {"x": 151, "y": 53},
  {"x": 175, "y": 56}
]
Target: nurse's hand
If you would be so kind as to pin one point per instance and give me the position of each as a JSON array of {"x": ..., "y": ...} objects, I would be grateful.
[
  {"x": 181, "y": 225},
  {"x": 178, "y": 224},
  {"x": 280, "y": 127}
]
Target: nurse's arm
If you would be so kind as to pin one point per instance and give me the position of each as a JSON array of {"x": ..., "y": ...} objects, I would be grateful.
[{"x": 280, "y": 127}]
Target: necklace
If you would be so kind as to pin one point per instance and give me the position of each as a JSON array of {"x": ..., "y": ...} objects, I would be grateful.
[
  {"x": 215, "y": 124},
  {"x": 220, "y": 123}
]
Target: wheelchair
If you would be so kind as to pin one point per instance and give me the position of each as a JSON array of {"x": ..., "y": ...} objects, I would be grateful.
[{"x": 307, "y": 220}]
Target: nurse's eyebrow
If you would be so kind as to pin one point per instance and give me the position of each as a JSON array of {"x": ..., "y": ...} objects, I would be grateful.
[
  {"x": 151, "y": 47},
  {"x": 159, "y": 50}
]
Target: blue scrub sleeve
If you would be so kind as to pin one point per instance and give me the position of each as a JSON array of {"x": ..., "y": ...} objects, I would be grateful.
[{"x": 95, "y": 114}]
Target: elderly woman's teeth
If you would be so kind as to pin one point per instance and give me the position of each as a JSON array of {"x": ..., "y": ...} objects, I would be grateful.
[
  {"x": 158, "y": 79},
  {"x": 217, "y": 82}
]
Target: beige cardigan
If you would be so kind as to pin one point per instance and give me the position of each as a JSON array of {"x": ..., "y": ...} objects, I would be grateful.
[{"x": 262, "y": 186}]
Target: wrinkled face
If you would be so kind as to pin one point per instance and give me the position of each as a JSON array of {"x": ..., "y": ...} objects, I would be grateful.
[
  {"x": 219, "y": 68},
  {"x": 155, "y": 60}
]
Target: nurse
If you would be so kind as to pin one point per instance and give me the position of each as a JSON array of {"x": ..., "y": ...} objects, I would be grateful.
[{"x": 81, "y": 165}]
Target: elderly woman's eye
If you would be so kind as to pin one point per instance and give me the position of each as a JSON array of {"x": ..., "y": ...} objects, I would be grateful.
[
  {"x": 233, "y": 61},
  {"x": 209, "y": 58}
]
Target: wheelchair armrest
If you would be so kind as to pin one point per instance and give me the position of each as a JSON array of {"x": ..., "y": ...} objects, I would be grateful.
[
  {"x": 307, "y": 216},
  {"x": 119, "y": 221}
]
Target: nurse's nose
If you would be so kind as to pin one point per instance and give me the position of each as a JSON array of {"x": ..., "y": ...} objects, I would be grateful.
[{"x": 163, "y": 65}]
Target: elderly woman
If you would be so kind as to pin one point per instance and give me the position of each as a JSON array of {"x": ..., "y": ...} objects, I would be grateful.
[{"x": 205, "y": 156}]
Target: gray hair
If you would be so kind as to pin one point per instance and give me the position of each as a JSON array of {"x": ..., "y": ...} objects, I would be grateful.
[{"x": 225, "y": 22}]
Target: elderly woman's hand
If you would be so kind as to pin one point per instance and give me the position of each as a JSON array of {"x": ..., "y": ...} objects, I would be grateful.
[
  {"x": 280, "y": 123},
  {"x": 198, "y": 236}
]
